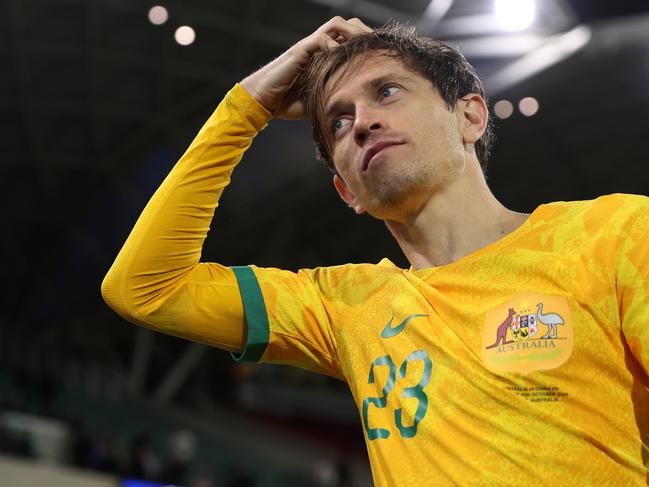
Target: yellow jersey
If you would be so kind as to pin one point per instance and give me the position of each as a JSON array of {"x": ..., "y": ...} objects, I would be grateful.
[{"x": 522, "y": 363}]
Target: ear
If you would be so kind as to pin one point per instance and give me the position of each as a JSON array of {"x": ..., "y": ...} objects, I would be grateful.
[
  {"x": 475, "y": 116},
  {"x": 347, "y": 195}
]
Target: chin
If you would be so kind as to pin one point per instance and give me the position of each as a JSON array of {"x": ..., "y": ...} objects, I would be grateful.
[
  {"x": 391, "y": 203},
  {"x": 399, "y": 195}
]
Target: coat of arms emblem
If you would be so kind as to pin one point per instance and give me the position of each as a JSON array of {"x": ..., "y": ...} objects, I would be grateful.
[
  {"x": 524, "y": 326},
  {"x": 513, "y": 339}
]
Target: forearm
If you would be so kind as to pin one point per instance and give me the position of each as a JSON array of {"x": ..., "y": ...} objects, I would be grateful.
[{"x": 160, "y": 258}]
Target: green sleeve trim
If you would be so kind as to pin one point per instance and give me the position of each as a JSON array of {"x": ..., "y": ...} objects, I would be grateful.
[{"x": 255, "y": 315}]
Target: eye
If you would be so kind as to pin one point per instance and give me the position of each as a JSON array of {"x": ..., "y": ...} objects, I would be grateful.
[
  {"x": 389, "y": 91},
  {"x": 339, "y": 124}
]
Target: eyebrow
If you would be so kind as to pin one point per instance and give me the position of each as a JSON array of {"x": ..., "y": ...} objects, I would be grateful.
[{"x": 370, "y": 85}]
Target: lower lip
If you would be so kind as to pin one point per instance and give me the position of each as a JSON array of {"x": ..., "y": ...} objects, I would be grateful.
[{"x": 373, "y": 158}]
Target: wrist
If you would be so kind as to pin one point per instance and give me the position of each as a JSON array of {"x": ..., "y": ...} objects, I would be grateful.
[{"x": 251, "y": 85}]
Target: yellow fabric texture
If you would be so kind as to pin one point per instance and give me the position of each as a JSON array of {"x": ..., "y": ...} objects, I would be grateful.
[
  {"x": 584, "y": 421},
  {"x": 524, "y": 363},
  {"x": 156, "y": 280}
]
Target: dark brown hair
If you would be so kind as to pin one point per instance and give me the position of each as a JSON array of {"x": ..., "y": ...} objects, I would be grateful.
[{"x": 445, "y": 67}]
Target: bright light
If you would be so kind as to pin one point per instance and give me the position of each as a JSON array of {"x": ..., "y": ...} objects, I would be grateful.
[
  {"x": 515, "y": 14},
  {"x": 185, "y": 35},
  {"x": 158, "y": 15},
  {"x": 550, "y": 52},
  {"x": 528, "y": 106},
  {"x": 503, "y": 109}
]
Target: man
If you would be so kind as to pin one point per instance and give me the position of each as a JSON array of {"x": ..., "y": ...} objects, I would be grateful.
[{"x": 514, "y": 350}]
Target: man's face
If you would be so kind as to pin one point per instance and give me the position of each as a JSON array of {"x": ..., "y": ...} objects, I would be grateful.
[{"x": 394, "y": 141}]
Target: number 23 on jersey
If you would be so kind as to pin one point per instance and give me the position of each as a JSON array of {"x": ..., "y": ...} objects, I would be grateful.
[{"x": 416, "y": 392}]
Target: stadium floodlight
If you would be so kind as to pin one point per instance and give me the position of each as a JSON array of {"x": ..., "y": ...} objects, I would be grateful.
[
  {"x": 158, "y": 15},
  {"x": 185, "y": 35},
  {"x": 503, "y": 109},
  {"x": 515, "y": 14},
  {"x": 528, "y": 106}
]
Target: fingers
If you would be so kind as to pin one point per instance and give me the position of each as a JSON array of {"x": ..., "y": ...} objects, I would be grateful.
[
  {"x": 342, "y": 30},
  {"x": 274, "y": 85},
  {"x": 327, "y": 40},
  {"x": 316, "y": 42},
  {"x": 332, "y": 33},
  {"x": 359, "y": 23}
]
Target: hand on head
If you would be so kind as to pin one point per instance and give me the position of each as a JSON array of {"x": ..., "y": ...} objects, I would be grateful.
[{"x": 272, "y": 85}]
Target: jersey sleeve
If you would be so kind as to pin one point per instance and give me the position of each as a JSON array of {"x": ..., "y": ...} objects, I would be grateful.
[
  {"x": 632, "y": 280},
  {"x": 286, "y": 319},
  {"x": 157, "y": 280}
]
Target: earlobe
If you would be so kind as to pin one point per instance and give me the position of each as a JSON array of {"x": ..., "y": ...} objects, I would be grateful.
[
  {"x": 347, "y": 195},
  {"x": 476, "y": 116}
]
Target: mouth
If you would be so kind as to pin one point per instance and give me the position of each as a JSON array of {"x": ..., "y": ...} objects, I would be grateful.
[{"x": 376, "y": 149}]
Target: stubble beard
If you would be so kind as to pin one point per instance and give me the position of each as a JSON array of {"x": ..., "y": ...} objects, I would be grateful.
[{"x": 395, "y": 194}]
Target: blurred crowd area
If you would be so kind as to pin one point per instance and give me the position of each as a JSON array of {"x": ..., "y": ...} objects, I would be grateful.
[
  {"x": 56, "y": 410},
  {"x": 34, "y": 425}
]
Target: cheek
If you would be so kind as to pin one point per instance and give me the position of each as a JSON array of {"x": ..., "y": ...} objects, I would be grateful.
[
  {"x": 446, "y": 133},
  {"x": 337, "y": 162},
  {"x": 341, "y": 160}
]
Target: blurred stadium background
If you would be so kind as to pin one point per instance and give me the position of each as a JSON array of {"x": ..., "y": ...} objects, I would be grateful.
[{"x": 99, "y": 98}]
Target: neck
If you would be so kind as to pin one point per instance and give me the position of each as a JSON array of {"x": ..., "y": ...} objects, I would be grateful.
[{"x": 453, "y": 223}]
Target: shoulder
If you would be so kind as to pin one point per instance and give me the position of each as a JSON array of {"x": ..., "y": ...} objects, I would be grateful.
[
  {"x": 352, "y": 283},
  {"x": 606, "y": 212},
  {"x": 352, "y": 274},
  {"x": 329, "y": 280}
]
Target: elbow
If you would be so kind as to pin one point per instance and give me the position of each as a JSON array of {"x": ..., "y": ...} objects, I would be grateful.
[
  {"x": 108, "y": 291},
  {"x": 113, "y": 294},
  {"x": 135, "y": 299}
]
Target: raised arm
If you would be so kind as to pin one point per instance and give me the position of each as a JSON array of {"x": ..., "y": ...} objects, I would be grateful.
[{"x": 156, "y": 280}]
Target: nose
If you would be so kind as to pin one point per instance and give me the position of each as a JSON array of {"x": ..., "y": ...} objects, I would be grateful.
[{"x": 366, "y": 121}]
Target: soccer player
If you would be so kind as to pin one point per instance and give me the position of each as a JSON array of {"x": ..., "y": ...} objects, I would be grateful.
[{"x": 514, "y": 350}]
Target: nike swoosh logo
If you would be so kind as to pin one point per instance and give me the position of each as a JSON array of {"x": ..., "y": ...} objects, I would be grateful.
[{"x": 389, "y": 331}]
